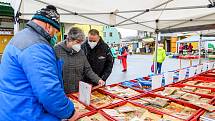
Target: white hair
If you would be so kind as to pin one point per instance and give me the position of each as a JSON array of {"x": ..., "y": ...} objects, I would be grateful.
[{"x": 75, "y": 33}]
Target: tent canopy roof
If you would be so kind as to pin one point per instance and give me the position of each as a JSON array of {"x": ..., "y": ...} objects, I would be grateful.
[{"x": 132, "y": 14}]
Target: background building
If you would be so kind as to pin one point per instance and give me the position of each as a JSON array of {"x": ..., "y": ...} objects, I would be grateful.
[{"x": 6, "y": 24}]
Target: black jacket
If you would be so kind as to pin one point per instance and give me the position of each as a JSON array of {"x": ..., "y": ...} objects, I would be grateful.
[{"x": 100, "y": 59}]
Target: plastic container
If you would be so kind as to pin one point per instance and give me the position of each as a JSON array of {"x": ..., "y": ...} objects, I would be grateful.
[
  {"x": 100, "y": 112},
  {"x": 181, "y": 86},
  {"x": 198, "y": 110},
  {"x": 89, "y": 108},
  {"x": 102, "y": 92},
  {"x": 202, "y": 96},
  {"x": 134, "y": 104},
  {"x": 197, "y": 117},
  {"x": 139, "y": 92}
]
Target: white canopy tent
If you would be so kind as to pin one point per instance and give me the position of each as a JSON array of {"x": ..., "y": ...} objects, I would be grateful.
[
  {"x": 196, "y": 38},
  {"x": 145, "y": 15},
  {"x": 131, "y": 14}
]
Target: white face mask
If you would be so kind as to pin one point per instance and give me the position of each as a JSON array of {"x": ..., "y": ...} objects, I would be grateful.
[
  {"x": 92, "y": 44},
  {"x": 76, "y": 47}
]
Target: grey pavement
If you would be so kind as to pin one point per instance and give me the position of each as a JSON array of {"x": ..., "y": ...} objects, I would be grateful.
[{"x": 140, "y": 66}]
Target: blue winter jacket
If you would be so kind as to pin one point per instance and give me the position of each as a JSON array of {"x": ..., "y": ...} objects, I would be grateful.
[{"x": 30, "y": 79}]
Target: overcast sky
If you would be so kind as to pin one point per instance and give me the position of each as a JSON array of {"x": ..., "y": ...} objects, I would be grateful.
[{"x": 127, "y": 32}]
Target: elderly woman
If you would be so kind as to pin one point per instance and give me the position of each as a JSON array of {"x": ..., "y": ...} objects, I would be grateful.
[{"x": 76, "y": 65}]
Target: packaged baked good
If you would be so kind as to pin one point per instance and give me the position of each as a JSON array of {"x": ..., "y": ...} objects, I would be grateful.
[
  {"x": 188, "y": 111},
  {"x": 203, "y": 91},
  {"x": 179, "y": 111},
  {"x": 205, "y": 84},
  {"x": 204, "y": 100},
  {"x": 79, "y": 107},
  {"x": 169, "y": 90},
  {"x": 125, "y": 112},
  {"x": 181, "y": 115},
  {"x": 188, "y": 88},
  {"x": 191, "y": 82},
  {"x": 112, "y": 112},
  {"x": 148, "y": 116},
  {"x": 173, "y": 108},
  {"x": 212, "y": 93},
  {"x": 95, "y": 117},
  {"x": 210, "y": 116},
  {"x": 141, "y": 102},
  {"x": 99, "y": 100},
  {"x": 144, "y": 101},
  {"x": 190, "y": 97},
  {"x": 122, "y": 92},
  {"x": 160, "y": 102},
  {"x": 126, "y": 109},
  {"x": 177, "y": 94},
  {"x": 205, "y": 106},
  {"x": 169, "y": 118}
]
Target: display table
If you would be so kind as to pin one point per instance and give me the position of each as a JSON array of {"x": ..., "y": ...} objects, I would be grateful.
[
  {"x": 191, "y": 99},
  {"x": 188, "y": 57}
]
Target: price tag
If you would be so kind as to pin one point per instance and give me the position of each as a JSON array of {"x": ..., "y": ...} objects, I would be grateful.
[
  {"x": 210, "y": 66},
  {"x": 168, "y": 77},
  {"x": 182, "y": 74},
  {"x": 205, "y": 67},
  {"x": 213, "y": 65},
  {"x": 85, "y": 92},
  {"x": 199, "y": 69},
  {"x": 192, "y": 71},
  {"x": 156, "y": 81}
]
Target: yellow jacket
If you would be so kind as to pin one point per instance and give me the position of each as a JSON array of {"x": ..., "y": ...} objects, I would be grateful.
[{"x": 160, "y": 56}]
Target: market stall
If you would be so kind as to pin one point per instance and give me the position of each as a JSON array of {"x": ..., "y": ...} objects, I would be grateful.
[
  {"x": 202, "y": 48},
  {"x": 157, "y": 16},
  {"x": 154, "y": 99},
  {"x": 187, "y": 99}
]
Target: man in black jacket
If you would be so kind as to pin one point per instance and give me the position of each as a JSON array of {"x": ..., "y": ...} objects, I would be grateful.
[{"x": 99, "y": 55}]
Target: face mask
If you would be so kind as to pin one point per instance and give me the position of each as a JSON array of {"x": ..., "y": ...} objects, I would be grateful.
[
  {"x": 92, "y": 44},
  {"x": 76, "y": 47},
  {"x": 53, "y": 41}
]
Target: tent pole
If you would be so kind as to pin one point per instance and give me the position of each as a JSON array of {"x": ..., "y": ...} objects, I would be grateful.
[
  {"x": 16, "y": 17},
  {"x": 156, "y": 47},
  {"x": 145, "y": 11},
  {"x": 200, "y": 48},
  {"x": 177, "y": 20},
  {"x": 134, "y": 22},
  {"x": 135, "y": 11},
  {"x": 188, "y": 21},
  {"x": 74, "y": 13},
  {"x": 176, "y": 8}
]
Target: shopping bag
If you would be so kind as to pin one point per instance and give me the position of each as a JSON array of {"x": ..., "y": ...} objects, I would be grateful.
[{"x": 152, "y": 67}]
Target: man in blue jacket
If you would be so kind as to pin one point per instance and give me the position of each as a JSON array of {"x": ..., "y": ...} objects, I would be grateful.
[{"x": 30, "y": 74}]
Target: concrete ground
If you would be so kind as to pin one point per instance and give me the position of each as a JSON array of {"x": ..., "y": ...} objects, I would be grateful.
[{"x": 140, "y": 66}]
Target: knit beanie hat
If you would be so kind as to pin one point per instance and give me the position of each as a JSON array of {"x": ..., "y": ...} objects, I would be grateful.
[{"x": 49, "y": 15}]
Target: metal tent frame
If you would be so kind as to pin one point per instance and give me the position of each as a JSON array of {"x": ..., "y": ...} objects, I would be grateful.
[{"x": 157, "y": 30}]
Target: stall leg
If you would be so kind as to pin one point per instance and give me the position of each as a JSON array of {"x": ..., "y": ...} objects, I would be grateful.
[{"x": 191, "y": 63}]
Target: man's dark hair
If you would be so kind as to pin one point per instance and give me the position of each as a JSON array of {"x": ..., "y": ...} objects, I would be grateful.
[{"x": 93, "y": 32}]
